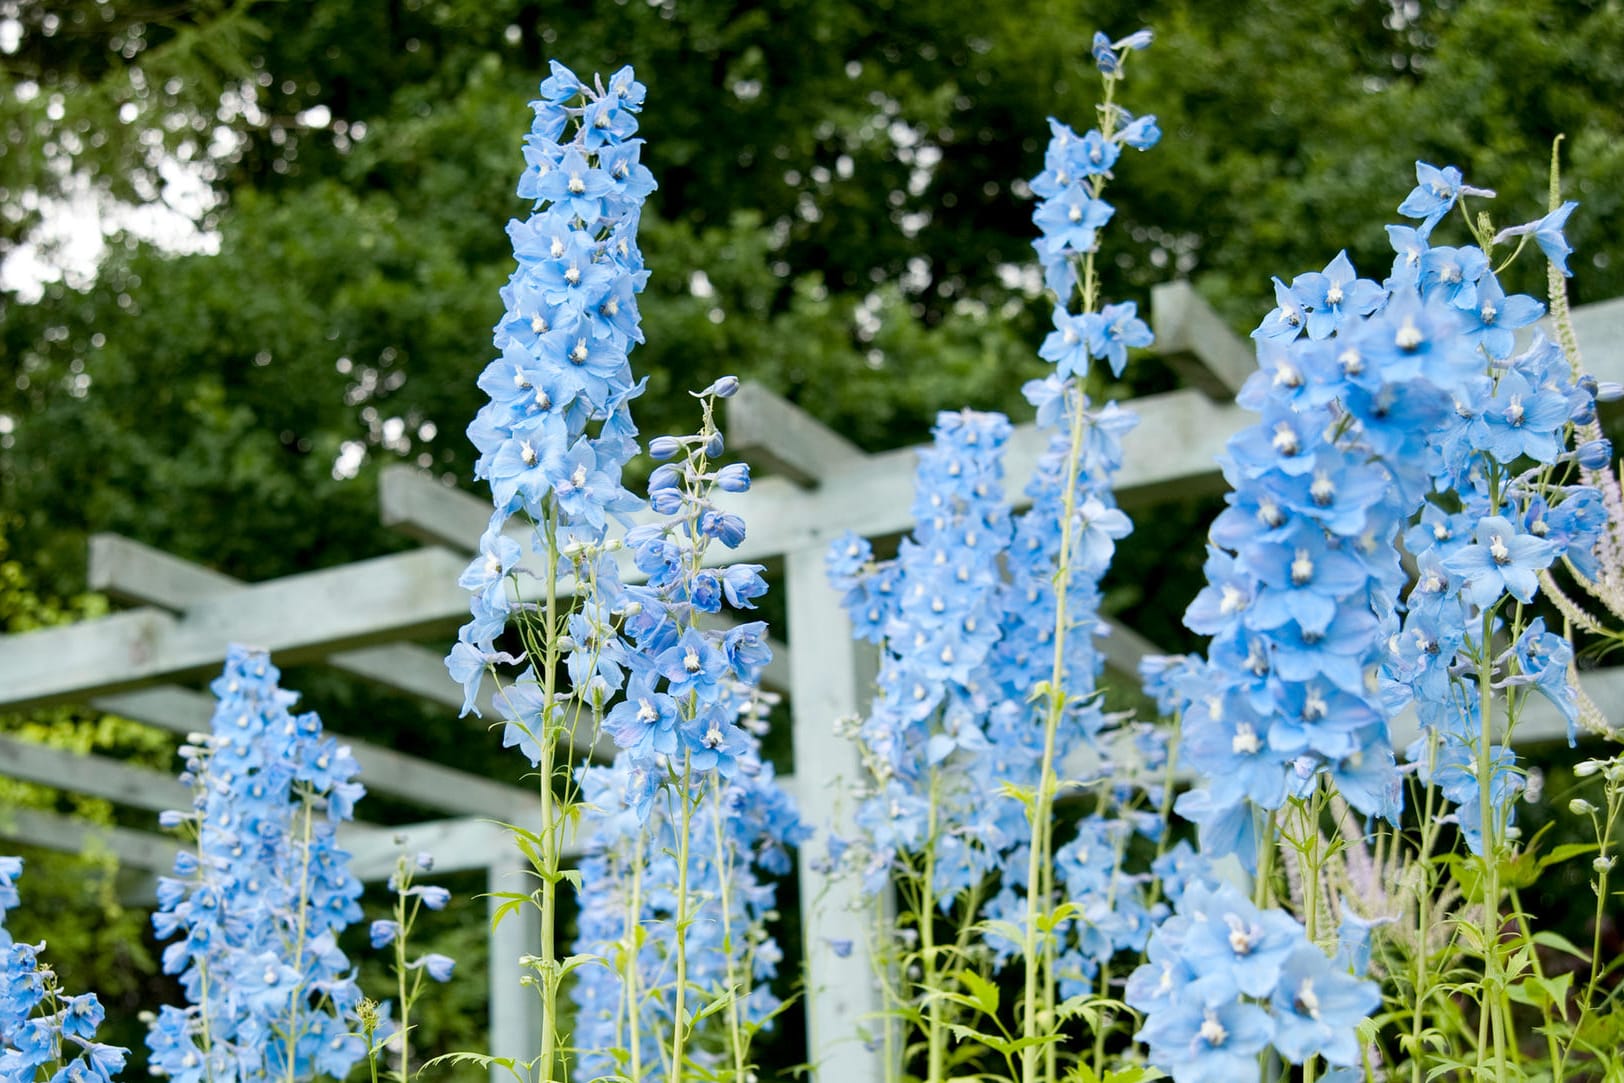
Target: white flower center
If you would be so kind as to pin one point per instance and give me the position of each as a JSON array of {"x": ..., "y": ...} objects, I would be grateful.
[
  {"x": 1302, "y": 568},
  {"x": 1323, "y": 490},
  {"x": 1498, "y": 550},
  {"x": 1307, "y": 1003},
  {"x": 1245, "y": 743},
  {"x": 1408, "y": 336}
]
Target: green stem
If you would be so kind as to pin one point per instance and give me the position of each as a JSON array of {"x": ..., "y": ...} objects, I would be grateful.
[
  {"x": 295, "y": 1031},
  {"x": 1043, "y": 802},
  {"x": 402, "y": 924},
  {"x": 1423, "y": 905},
  {"x": 550, "y": 842},
  {"x": 1262, "y": 890},
  {"x": 679, "y": 1024},
  {"x": 634, "y": 937},
  {"x": 935, "y": 1030},
  {"x": 1488, "y": 824},
  {"x": 724, "y": 865}
]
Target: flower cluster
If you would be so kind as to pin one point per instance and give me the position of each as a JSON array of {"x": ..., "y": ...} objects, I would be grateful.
[
  {"x": 969, "y": 612},
  {"x": 1070, "y": 212},
  {"x": 741, "y": 834},
  {"x": 41, "y": 1027},
  {"x": 557, "y": 430},
  {"x": 257, "y": 907},
  {"x": 682, "y": 680},
  {"x": 1373, "y": 396},
  {"x": 936, "y": 608},
  {"x": 1225, "y": 979},
  {"x": 1503, "y": 451},
  {"x": 688, "y": 812}
]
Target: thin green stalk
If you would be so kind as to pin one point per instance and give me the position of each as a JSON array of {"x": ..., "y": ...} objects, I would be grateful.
[
  {"x": 724, "y": 863},
  {"x": 550, "y": 842},
  {"x": 402, "y": 924},
  {"x": 1492, "y": 979},
  {"x": 679, "y": 1024},
  {"x": 935, "y": 1029},
  {"x": 1043, "y": 801},
  {"x": 1263, "y": 890},
  {"x": 1311, "y": 879},
  {"x": 1429, "y": 833},
  {"x": 634, "y": 936},
  {"x": 299, "y": 940}
]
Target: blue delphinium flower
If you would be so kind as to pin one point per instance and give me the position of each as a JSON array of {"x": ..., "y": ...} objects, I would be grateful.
[
  {"x": 1225, "y": 979},
  {"x": 557, "y": 430},
  {"x": 1403, "y": 396},
  {"x": 44, "y": 1031},
  {"x": 629, "y": 882},
  {"x": 256, "y": 909},
  {"x": 973, "y": 701},
  {"x": 687, "y": 727},
  {"x": 942, "y": 605}
]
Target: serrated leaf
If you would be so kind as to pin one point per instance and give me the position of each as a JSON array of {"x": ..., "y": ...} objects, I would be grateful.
[{"x": 983, "y": 993}]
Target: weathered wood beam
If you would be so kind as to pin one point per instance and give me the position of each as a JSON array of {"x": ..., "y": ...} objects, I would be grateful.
[
  {"x": 138, "y": 574},
  {"x": 829, "y": 685},
  {"x": 383, "y": 770},
  {"x": 73, "y": 835},
  {"x": 298, "y": 618},
  {"x": 421, "y": 507},
  {"x": 773, "y": 432},
  {"x": 456, "y": 846},
  {"x": 1197, "y": 343},
  {"x": 98, "y": 776}
]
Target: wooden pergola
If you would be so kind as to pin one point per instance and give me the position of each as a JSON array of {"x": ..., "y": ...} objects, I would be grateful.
[{"x": 144, "y": 662}]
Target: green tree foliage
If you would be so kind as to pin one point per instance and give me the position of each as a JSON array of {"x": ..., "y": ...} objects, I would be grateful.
[{"x": 840, "y": 215}]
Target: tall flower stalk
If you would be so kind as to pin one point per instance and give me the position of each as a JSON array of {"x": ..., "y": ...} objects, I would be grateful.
[
  {"x": 692, "y": 820},
  {"x": 255, "y": 909},
  {"x": 1071, "y": 185},
  {"x": 553, "y": 440}
]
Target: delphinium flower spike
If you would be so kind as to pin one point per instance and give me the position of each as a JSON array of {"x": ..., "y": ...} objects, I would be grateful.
[
  {"x": 258, "y": 905},
  {"x": 553, "y": 440},
  {"x": 692, "y": 818}
]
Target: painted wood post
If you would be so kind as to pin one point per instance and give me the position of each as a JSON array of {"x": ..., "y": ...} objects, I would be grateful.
[
  {"x": 515, "y": 1009},
  {"x": 841, "y": 995}
]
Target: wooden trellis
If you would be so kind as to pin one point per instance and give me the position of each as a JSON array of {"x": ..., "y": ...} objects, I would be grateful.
[{"x": 141, "y": 663}]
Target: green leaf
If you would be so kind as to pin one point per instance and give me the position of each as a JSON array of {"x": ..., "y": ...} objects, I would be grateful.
[
  {"x": 1561, "y": 943},
  {"x": 983, "y": 993}
]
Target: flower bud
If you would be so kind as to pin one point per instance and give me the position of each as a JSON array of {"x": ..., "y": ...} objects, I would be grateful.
[
  {"x": 1595, "y": 454},
  {"x": 664, "y": 447},
  {"x": 1603, "y": 864},
  {"x": 734, "y": 478},
  {"x": 1580, "y": 807},
  {"x": 725, "y": 388},
  {"x": 1609, "y": 391},
  {"x": 1586, "y": 768}
]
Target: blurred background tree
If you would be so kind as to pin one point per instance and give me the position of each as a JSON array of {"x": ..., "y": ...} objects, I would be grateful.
[{"x": 842, "y": 215}]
